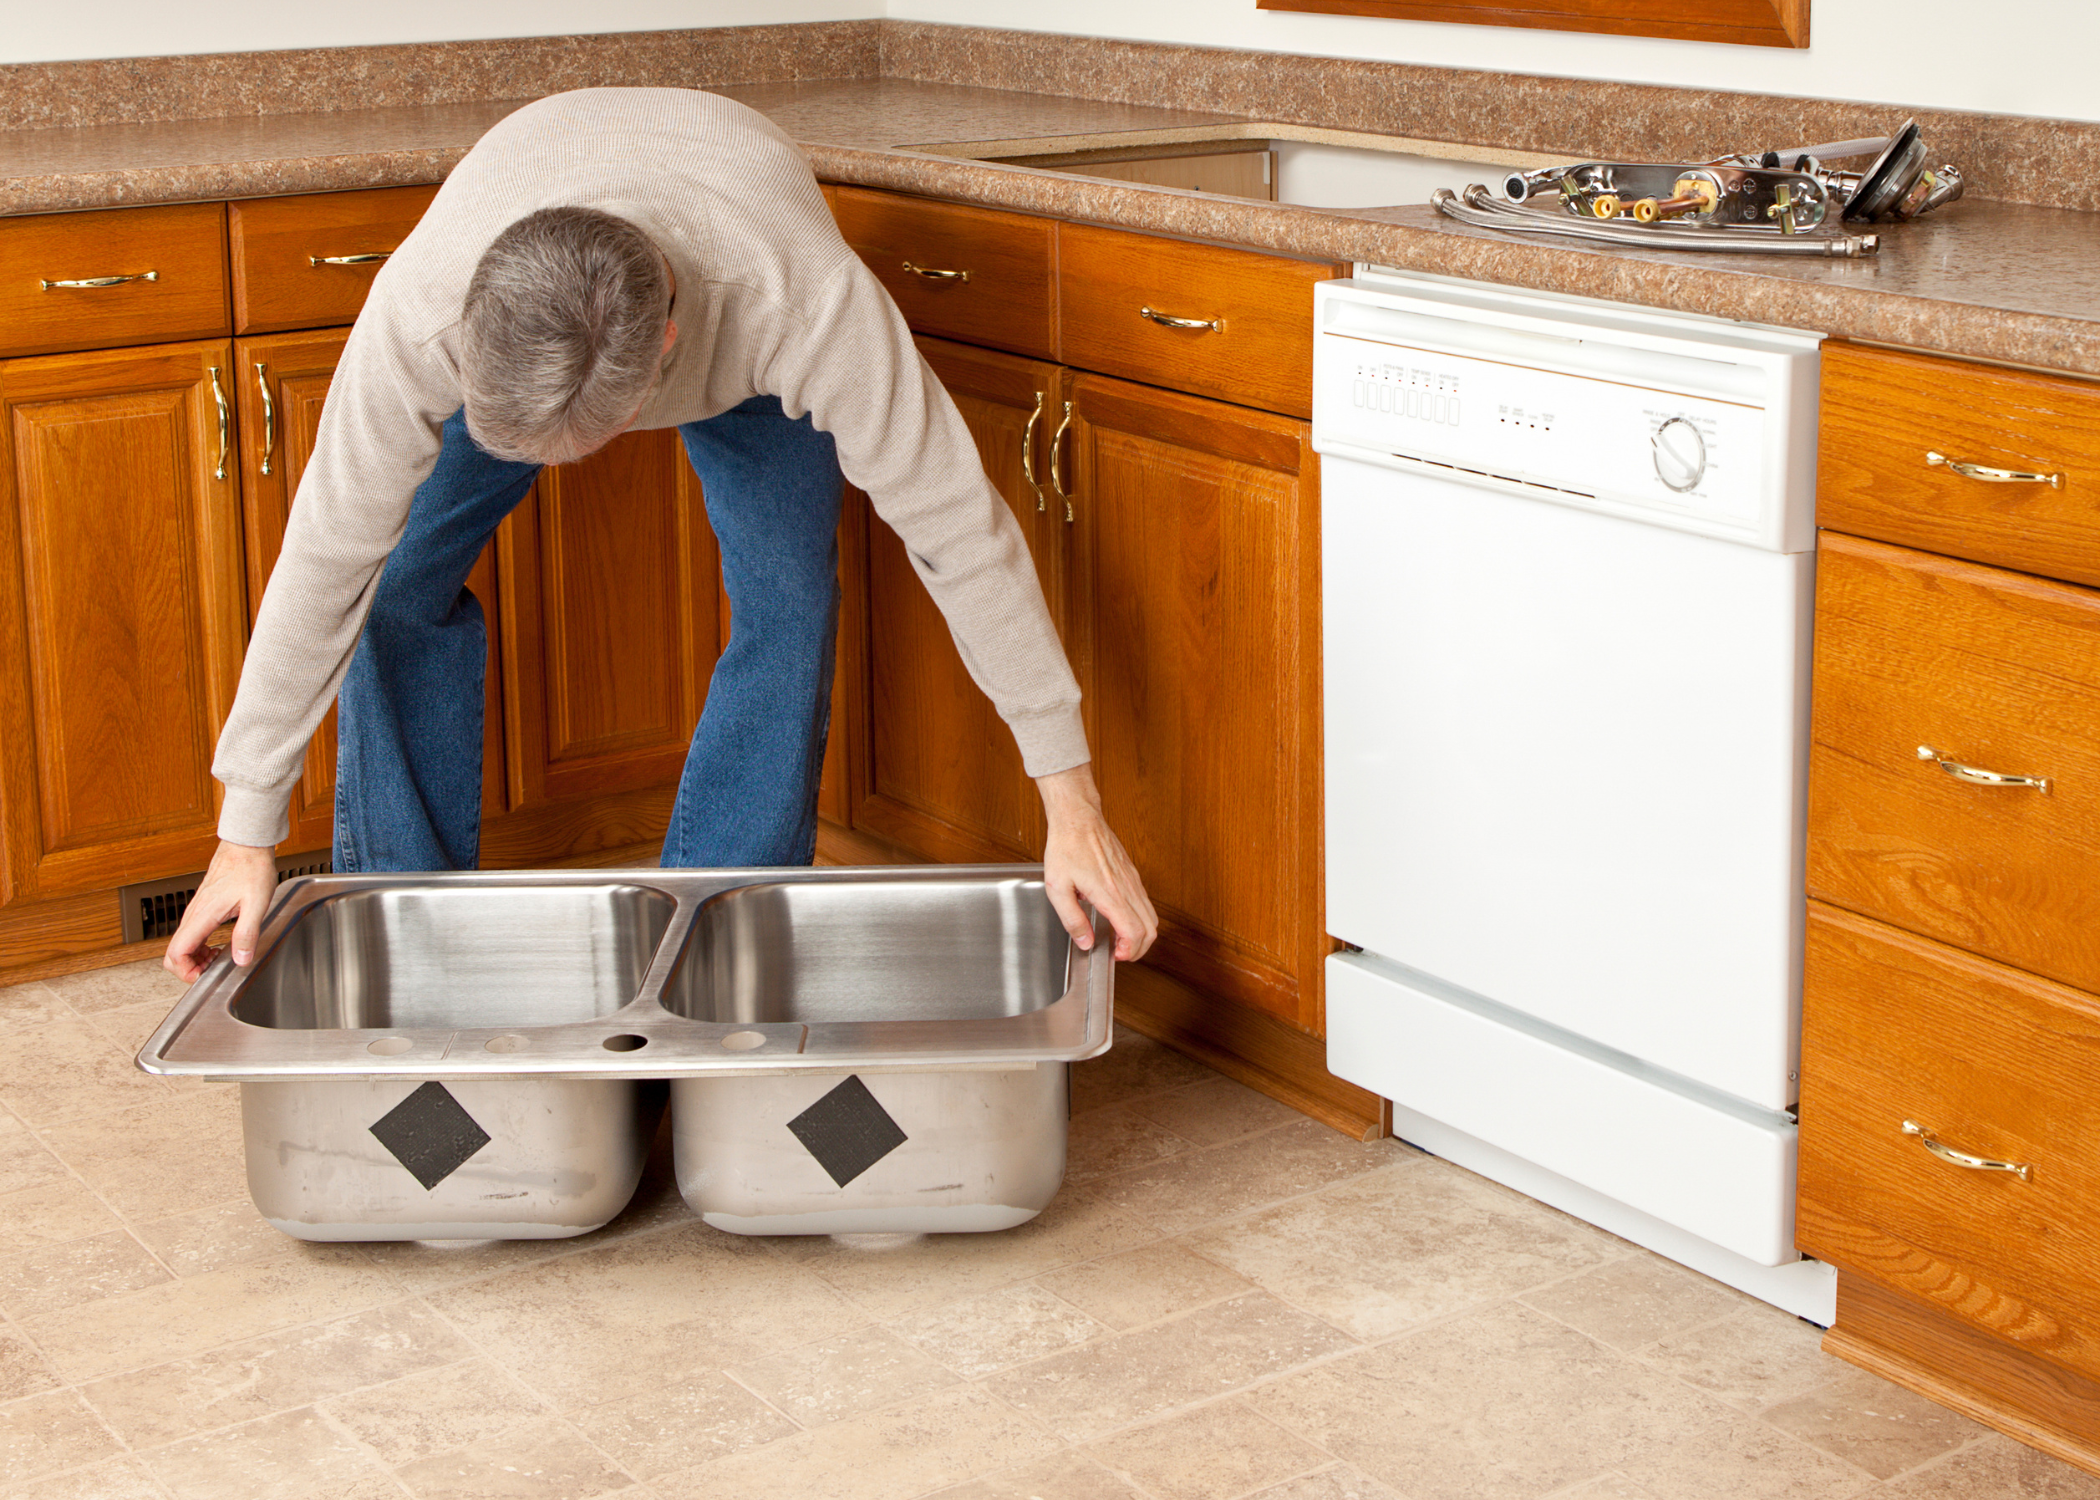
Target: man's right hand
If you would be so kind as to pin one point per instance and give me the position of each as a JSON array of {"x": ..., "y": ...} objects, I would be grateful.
[{"x": 239, "y": 884}]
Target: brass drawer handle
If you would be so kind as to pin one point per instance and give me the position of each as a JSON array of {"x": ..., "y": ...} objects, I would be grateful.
[
  {"x": 1057, "y": 472},
  {"x": 365, "y": 258},
  {"x": 932, "y": 275},
  {"x": 1977, "y": 776},
  {"x": 1952, "y": 1157},
  {"x": 262, "y": 383},
  {"x": 95, "y": 281},
  {"x": 1035, "y": 420},
  {"x": 1994, "y": 476},
  {"x": 1168, "y": 320},
  {"x": 218, "y": 394}
]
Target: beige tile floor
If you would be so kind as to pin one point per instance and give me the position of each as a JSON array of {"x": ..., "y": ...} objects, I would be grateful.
[{"x": 1226, "y": 1300}]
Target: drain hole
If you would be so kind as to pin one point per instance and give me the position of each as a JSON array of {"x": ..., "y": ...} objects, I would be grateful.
[
  {"x": 626, "y": 1041},
  {"x": 504, "y": 1044},
  {"x": 744, "y": 1041},
  {"x": 390, "y": 1046}
]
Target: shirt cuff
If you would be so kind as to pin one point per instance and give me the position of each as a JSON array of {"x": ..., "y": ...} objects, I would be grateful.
[
  {"x": 1051, "y": 741},
  {"x": 259, "y": 817}
]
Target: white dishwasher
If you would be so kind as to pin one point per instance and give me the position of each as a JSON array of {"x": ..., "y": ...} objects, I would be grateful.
[{"x": 1567, "y": 569}]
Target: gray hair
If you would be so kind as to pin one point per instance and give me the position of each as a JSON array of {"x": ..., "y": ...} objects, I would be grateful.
[{"x": 562, "y": 334}]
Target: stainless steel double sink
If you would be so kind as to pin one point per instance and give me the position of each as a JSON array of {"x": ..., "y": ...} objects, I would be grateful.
[{"x": 484, "y": 1055}]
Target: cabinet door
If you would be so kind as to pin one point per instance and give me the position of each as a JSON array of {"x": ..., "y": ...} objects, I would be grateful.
[
  {"x": 121, "y": 612},
  {"x": 1194, "y": 623},
  {"x": 283, "y": 383},
  {"x": 944, "y": 777},
  {"x": 844, "y": 776},
  {"x": 610, "y": 621}
]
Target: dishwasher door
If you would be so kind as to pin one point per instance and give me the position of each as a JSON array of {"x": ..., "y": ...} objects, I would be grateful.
[{"x": 1565, "y": 763}]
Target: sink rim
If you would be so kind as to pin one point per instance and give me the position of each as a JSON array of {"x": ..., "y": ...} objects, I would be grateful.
[
  {"x": 1240, "y": 130},
  {"x": 202, "y": 1038}
]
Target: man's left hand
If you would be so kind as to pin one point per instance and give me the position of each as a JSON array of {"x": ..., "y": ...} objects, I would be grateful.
[{"x": 1084, "y": 859}]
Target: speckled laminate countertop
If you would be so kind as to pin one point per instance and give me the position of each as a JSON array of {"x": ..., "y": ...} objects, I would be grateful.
[{"x": 1983, "y": 279}]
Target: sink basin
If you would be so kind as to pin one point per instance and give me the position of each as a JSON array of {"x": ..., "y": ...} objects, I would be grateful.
[
  {"x": 459, "y": 956},
  {"x": 860, "y": 951},
  {"x": 1300, "y": 164}
]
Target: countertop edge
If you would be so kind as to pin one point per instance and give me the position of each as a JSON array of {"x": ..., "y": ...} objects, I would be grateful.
[{"x": 145, "y": 187}]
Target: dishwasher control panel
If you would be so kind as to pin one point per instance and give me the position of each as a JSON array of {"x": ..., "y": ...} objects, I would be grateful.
[
  {"x": 1656, "y": 449},
  {"x": 1642, "y": 422}
]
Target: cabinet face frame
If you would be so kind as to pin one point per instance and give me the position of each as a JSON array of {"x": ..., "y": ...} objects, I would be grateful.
[
  {"x": 187, "y": 616},
  {"x": 1752, "y": 23}
]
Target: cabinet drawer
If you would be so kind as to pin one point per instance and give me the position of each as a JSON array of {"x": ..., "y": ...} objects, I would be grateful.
[
  {"x": 969, "y": 273},
  {"x": 181, "y": 249},
  {"x": 1251, "y": 342},
  {"x": 1988, "y": 1062},
  {"x": 1884, "y": 412},
  {"x": 277, "y": 241},
  {"x": 1995, "y": 671}
]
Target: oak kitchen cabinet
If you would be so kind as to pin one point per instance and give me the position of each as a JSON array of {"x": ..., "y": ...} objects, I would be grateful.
[
  {"x": 121, "y": 627},
  {"x": 1951, "y": 1012},
  {"x": 1162, "y": 472}
]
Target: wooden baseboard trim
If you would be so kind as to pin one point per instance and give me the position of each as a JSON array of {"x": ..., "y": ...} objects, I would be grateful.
[
  {"x": 81, "y": 963},
  {"x": 40, "y": 934},
  {"x": 1922, "y": 1349},
  {"x": 569, "y": 833},
  {"x": 1228, "y": 1037},
  {"x": 848, "y": 846}
]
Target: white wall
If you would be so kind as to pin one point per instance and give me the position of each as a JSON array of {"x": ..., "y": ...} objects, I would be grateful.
[
  {"x": 2038, "y": 57},
  {"x": 52, "y": 30},
  {"x": 2032, "y": 57}
]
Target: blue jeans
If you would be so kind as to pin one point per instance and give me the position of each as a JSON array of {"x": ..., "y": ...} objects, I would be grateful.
[{"x": 409, "y": 716}]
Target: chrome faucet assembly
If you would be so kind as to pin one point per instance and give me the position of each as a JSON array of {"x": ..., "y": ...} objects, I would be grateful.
[{"x": 1786, "y": 202}]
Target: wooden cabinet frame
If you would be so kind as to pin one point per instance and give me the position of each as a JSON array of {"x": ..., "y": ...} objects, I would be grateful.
[{"x": 1753, "y": 23}]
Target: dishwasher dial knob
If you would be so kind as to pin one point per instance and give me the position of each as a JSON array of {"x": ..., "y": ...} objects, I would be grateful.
[{"x": 1680, "y": 454}]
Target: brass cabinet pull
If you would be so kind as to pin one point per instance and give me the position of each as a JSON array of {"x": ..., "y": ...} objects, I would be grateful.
[
  {"x": 364, "y": 258},
  {"x": 1168, "y": 320},
  {"x": 1994, "y": 476},
  {"x": 1977, "y": 776},
  {"x": 1946, "y": 1153},
  {"x": 218, "y": 394},
  {"x": 1035, "y": 420},
  {"x": 932, "y": 275},
  {"x": 262, "y": 383},
  {"x": 95, "y": 281},
  {"x": 1057, "y": 473}
]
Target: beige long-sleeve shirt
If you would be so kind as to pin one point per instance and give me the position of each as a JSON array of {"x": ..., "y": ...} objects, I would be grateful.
[{"x": 770, "y": 302}]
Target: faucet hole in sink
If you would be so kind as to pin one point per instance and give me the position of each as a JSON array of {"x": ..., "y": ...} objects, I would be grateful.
[
  {"x": 626, "y": 1041},
  {"x": 744, "y": 1041},
  {"x": 390, "y": 1046},
  {"x": 504, "y": 1044}
]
